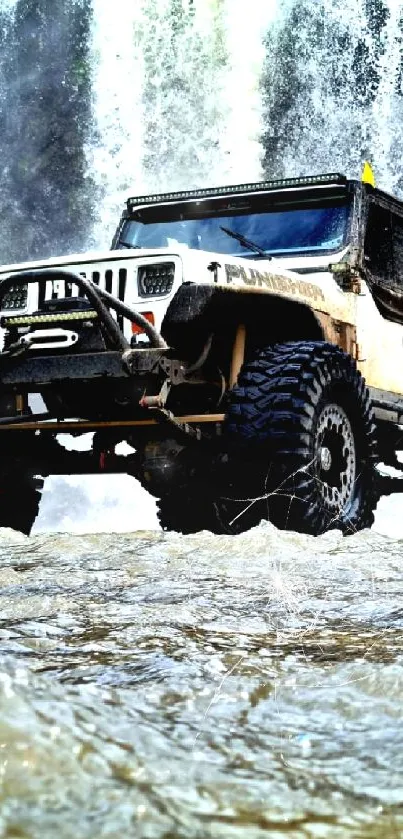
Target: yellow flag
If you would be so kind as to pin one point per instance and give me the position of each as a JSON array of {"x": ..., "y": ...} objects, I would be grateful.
[{"x": 368, "y": 176}]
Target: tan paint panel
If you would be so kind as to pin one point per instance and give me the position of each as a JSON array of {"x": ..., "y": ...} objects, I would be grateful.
[
  {"x": 380, "y": 346},
  {"x": 320, "y": 292}
]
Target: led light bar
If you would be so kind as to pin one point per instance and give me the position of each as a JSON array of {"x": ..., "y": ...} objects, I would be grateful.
[
  {"x": 260, "y": 186},
  {"x": 28, "y": 320}
]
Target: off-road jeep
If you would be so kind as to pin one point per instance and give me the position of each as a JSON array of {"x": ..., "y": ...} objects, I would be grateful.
[{"x": 246, "y": 341}]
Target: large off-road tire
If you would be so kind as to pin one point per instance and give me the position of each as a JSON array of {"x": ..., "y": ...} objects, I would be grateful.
[
  {"x": 186, "y": 512},
  {"x": 301, "y": 447},
  {"x": 19, "y": 502},
  {"x": 187, "y": 495},
  {"x": 300, "y": 418},
  {"x": 206, "y": 508}
]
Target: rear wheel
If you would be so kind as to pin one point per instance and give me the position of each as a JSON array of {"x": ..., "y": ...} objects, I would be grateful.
[
  {"x": 202, "y": 507},
  {"x": 19, "y": 502},
  {"x": 185, "y": 512}
]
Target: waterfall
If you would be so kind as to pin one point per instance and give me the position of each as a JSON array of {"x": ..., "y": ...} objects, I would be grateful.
[
  {"x": 115, "y": 156},
  {"x": 190, "y": 92},
  {"x": 45, "y": 120},
  {"x": 176, "y": 96},
  {"x": 99, "y": 99},
  {"x": 332, "y": 89}
]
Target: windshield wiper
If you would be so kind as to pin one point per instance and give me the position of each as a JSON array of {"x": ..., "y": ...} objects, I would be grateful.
[
  {"x": 245, "y": 242},
  {"x": 122, "y": 244}
]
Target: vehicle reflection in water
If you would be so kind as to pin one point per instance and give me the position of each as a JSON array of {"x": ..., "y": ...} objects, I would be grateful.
[{"x": 157, "y": 685}]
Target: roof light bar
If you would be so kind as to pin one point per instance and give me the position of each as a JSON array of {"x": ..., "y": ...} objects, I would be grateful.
[{"x": 260, "y": 186}]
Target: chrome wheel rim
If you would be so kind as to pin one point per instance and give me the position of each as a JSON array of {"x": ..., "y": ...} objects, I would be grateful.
[{"x": 336, "y": 467}]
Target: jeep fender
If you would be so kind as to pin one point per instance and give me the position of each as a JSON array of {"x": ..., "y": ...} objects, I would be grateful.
[{"x": 197, "y": 311}]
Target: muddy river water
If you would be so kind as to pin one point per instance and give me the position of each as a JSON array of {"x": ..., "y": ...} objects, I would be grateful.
[{"x": 156, "y": 685}]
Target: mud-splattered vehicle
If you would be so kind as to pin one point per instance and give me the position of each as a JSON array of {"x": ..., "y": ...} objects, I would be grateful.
[{"x": 245, "y": 341}]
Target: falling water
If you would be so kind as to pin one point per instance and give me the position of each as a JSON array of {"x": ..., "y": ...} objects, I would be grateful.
[
  {"x": 45, "y": 186},
  {"x": 176, "y": 96},
  {"x": 190, "y": 92},
  {"x": 332, "y": 88}
]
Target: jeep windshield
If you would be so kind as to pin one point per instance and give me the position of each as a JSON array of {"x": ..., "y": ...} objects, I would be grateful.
[{"x": 295, "y": 230}]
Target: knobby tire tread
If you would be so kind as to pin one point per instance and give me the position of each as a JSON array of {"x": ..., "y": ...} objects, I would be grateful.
[
  {"x": 268, "y": 432},
  {"x": 271, "y": 412}
]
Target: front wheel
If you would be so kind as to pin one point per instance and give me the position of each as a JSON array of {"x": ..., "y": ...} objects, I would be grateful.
[
  {"x": 19, "y": 502},
  {"x": 300, "y": 423}
]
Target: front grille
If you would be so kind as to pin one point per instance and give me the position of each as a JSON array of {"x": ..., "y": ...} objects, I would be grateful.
[
  {"x": 112, "y": 280},
  {"x": 123, "y": 279},
  {"x": 108, "y": 281}
]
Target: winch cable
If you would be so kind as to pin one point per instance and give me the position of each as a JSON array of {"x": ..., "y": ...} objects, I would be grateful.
[
  {"x": 156, "y": 339},
  {"x": 119, "y": 306}
]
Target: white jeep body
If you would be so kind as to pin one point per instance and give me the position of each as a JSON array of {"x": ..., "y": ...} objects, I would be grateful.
[
  {"x": 347, "y": 313},
  {"x": 304, "y": 279}
]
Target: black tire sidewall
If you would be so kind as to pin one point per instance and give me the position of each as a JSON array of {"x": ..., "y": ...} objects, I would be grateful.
[{"x": 271, "y": 425}]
